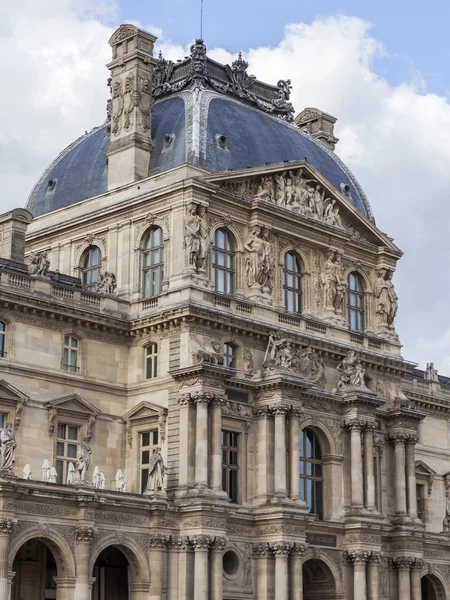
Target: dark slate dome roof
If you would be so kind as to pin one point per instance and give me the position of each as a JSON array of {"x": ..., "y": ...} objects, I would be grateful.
[{"x": 186, "y": 127}]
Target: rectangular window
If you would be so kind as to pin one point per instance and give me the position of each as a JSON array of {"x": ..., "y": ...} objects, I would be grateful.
[
  {"x": 149, "y": 443},
  {"x": 70, "y": 354},
  {"x": 151, "y": 361},
  {"x": 66, "y": 450},
  {"x": 2, "y": 420},
  {"x": 419, "y": 501},
  {"x": 230, "y": 464}
]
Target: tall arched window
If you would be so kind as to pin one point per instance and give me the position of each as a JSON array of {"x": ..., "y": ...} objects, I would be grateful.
[
  {"x": 223, "y": 269},
  {"x": 153, "y": 262},
  {"x": 311, "y": 472},
  {"x": 2, "y": 339},
  {"x": 292, "y": 283},
  {"x": 91, "y": 267},
  {"x": 229, "y": 355},
  {"x": 355, "y": 302}
]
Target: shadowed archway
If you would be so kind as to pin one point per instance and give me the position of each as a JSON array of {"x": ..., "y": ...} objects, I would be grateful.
[{"x": 318, "y": 581}]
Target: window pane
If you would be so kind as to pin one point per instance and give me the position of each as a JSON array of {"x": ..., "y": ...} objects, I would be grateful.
[
  {"x": 59, "y": 449},
  {"x": 71, "y": 450},
  {"x": 144, "y": 479},
  {"x": 62, "y": 431},
  {"x": 60, "y": 471},
  {"x": 155, "y": 437},
  {"x": 145, "y": 457},
  {"x": 145, "y": 439},
  {"x": 73, "y": 433}
]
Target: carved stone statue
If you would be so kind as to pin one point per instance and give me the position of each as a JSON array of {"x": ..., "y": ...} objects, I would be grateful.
[
  {"x": 332, "y": 277},
  {"x": 71, "y": 478},
  {"x": 278, "y": 353},
  {"x": 26, "y": 471},
  {"x": 53, "y": 475},
  {"x": 107, "y": 283},
  {"x": 387, "y": 300},
  {"x": 120, "y": 481},
  {"x": 310, "y": 365},
  {"x": 446, "y": 521},
  {"x": 351, "y": 372},
  {"x": 196, "y": 236},
  {"x": 38, "y": 263},
  {"x": 8, "y": 448},
  {"x": 260, "y": 262},
  {"x": 98, "y": 479},
  {"x": 248, "y": 367},
  {"x": 156, "y": 470},
  {"x": 83, "y": 462},
  {"x": 431, "y": 374},
  {"x": 46, "y": 470},
  {"x": 205, "y": 240}
]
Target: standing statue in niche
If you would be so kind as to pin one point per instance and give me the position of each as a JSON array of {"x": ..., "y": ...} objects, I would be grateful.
[
  {"x": 255, "y": 260},
  {"x": 156, "y": 471},
  {"x": 8, "y": 448},
  {"x": 196, "y": 236},
  {"x": 351, "y": 371},
  {"x": 83, "y": 462},
  {"x": 333, "y": 282},
  {"x": 205, "y": 240},
  {"x": 446, "y": 521},
  {"x": 387, "y": 300}
]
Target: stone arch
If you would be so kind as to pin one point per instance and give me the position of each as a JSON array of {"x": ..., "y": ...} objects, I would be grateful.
[
  {"x": 367, "y": 283},
  {"x": 329, "y": 570},
  {"x": 306, "y": 267},
  {"x": 438, "y": 581},
  {"x": 139, "y": 567},
  {"x": 323, "y": 433},
  {"x": 233, "y": 230},
  {"x": 60, "y": 548},
  {"x": 140, "y": 235},
  {"x": 81, "y": 251}
]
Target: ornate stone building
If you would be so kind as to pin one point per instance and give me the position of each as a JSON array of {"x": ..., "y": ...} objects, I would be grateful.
[{"x": 198, "y": 361}]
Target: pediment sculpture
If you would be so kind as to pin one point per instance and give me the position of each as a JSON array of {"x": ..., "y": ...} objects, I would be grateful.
[{"x": 283, "y": 354}]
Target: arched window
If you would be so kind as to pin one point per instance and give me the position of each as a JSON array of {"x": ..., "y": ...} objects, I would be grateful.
[
  {"x": 151, "y": 361},
  {"x": 91, "y": 267},
  {"x": 70, "y": 354},
  {"x": 311, "y": 472},
  {"x": 223, "y": 269},
  {"x": 229, "y": 355},
  {"x": 153, "y": 262},
  {"x": 2, "y": 339},
  {"x": 292, "y": 283},
  {"x": 355, "y": 302}
]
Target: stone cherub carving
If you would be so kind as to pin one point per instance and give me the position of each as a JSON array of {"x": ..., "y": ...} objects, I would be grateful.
[
  {"x": 38, "y": 263},
  {"x": 83, "y": 462},
  {"x": 8, "y": 448},
  {"x": 351, "y": 372},
  {"x": 156, "y": 471},
  {"x": 260, "y": 262},
  {"x": 107, "y": 283},
  {"x": 387, "y": 300},
  {"x": 196, "y": 237}
]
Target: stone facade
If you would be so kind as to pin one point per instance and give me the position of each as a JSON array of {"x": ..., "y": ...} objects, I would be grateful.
[{"x": 239, "y": 393}]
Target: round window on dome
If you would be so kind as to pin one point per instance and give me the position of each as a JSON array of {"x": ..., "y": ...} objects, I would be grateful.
[
  {"x": 222, "y": 141},
  {"x": 230, "y": 563},
  {"x": 51, "y": 184}
]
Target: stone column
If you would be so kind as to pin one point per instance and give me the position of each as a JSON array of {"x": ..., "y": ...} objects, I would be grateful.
[
  {"x": 400, "y": 477},
  {"x": 216, "y": 444},
  {"x": 217, "y": 547},
  {"x": 158, "y": 545},
  {"x": 416, "y": 571},
  {"x": 6, "y": 528},
  {"x": 65, "y": 588},
  {"x": 280, "y": 451},
  {"x": 140, "y": 590},
  {"x": 281, "y": 552},
  {"x": 369, "y": 480},
  {"x": 294, "y": 429},
  {"x": 185, "y": 569},
  {"x": 296, "y": 575},
  {"x": 403, "y": 565},
  {"x": 261, "y": 554},
  {"x": 359, "y": 559},
  {"x": 373, "y": 576},
  {"x": 411, "y": 476},
  {"x": 262, "y": 414},
  {"x": 174, "y": 545},
  {"x": 201, "y": 545},
  {"x": 355, "y": 428},
  {"x": 84, "y": 537},
  {"x": 185, "y": 439},
  {"x": 201, "y": 440}
]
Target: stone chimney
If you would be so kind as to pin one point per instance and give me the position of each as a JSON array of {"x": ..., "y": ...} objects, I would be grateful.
[
  {"x": 131, "y": 104},
  {"x": 13, "y": 226},
  {"x": 318, "y": 124}
]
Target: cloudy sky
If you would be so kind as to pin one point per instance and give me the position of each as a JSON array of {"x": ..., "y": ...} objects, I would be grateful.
[{"x": 381, "y": 69}]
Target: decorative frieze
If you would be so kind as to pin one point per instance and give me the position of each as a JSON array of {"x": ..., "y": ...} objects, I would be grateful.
[
  {"x": 85, "y": 534},
  {"x": 7, "y": 525}
]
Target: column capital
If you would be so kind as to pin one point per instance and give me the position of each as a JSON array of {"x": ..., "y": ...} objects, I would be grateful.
[
  {"x": 357, "y": 557},
  {"x": 219, "y": 543},
  {"x": 202, "y": 397},
  {"x": 298, "y": 549},
  {"x": 158, "y": 541},
  {"x": 296, "y": 412},
  {"x": 281, "y": 548},
  {"x": 185, "y": 400},
  {"x": 397, "y": 437},
  {"x": 354, "y": 425},
  {"x": 85, "y": 534},
  {"x": 280, "y": 410},
  {"x": 262, "y": 412},
  {"x": 7, "y": 525},
  {"x": 402, "y": 563},
  {"x": 260, "y": 549},
  {"x": 201, "y": 541},
  {"x": 375, "y": 557},
  {"x": 412, "y": 439},
  {"x": 369, "y": 427},
  {"x": 417, "y": 563}
]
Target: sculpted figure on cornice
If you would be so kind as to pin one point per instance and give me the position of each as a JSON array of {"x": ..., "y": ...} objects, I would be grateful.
[
  {"x": 387, "y": 300},
  {"x": 38, "y": 263},
  {"x": 205, "y": 350},
  {"x": 290, "y": 189},
  {"x": 83, "y": 461},
  {"x": 107, "y": 283},
  {"x": 431, "y": 374},
  {"x": 351, "y": 372},
  {"x": 196, "y": 236},
  {"x": 248, "y": 365},
  {"x": 283, "y": 354},
  {"x": 156, "y": 471},
  {"x": 8, "y": 448},
  {"x": 260, "y": 261}
]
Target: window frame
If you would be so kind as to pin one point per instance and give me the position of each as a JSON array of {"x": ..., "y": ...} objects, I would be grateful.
[
  {"x": 356, "y": 308},
  {"x": 3, "y": 333},
  {"x": 318, "y": 482},
  {"x": 68, "y": 366},
  {"x": 150, "y": 357},
  {"x": 295, "y": 290},
  {"x": 228, "y": 268},
  {"x": 64, "y": 459},
  {"x": 230, "y": 470},
  {"x": 230, "y": 355},
  {"x": 150, "y": 249},
  {"x": 150, "y": 448},
  {"x": 87, "y": 271}
]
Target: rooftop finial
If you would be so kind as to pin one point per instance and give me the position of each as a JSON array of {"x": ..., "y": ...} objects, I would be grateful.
[{"x": 201, "y": 19}]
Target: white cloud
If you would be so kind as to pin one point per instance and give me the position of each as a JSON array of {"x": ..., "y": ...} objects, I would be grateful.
[{"x": 396, "y": 139}]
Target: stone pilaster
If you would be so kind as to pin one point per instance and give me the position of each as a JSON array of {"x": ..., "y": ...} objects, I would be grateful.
[
  {"x": 403, "y": 565},
  {"x": 294, "y": 429},
  {"x": 65, "y": 587},
  {"x": 411, "y": 440},
  {"x": 355, "y": 426},
  {"x": 262, "y": 460},
  {"x": 201, "y": 544},
  {"x": 216, "y": 445},
  {"x": 201, "y": 400},
  {"x": 296, "y": 575},
  {"x": 185, "y": 569},
  {"x": 369, "y": 480},
  {"x": 416, "y": 572},
  {"x": 6, "y": 529},
  {"x": 261, "y": 554},
  {"x": 84, "y": 537},
  {"x": 158, "y": 544},
  {"x": 174, "y": 545},
  {"x": 186, "y": 468},
  {"x": 398, "y": 439},
  {"x": 359, "y": 560},
  {"x": 280, "y": 413},
  {"x": 281, "y": 551},
  {"x": 218, "y": 545},
  {"x": 373, "y": 575}
]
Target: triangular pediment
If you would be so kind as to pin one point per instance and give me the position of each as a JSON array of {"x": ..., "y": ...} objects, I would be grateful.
[
  {"x": 11, "y": 395},
  {"x": 75, "y": 404},
  {"x": 144, "y": 410},
  {"x": 423, "y": 469},
  {"x": 308, "y": 194}
]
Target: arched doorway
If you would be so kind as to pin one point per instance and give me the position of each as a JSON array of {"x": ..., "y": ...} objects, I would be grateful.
[
  {"x": 35, "y": 569},
  {"x": 111, "y": 576},
  {"x": 432, "y": 588},
  {"x": 318, "y": 581}
]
